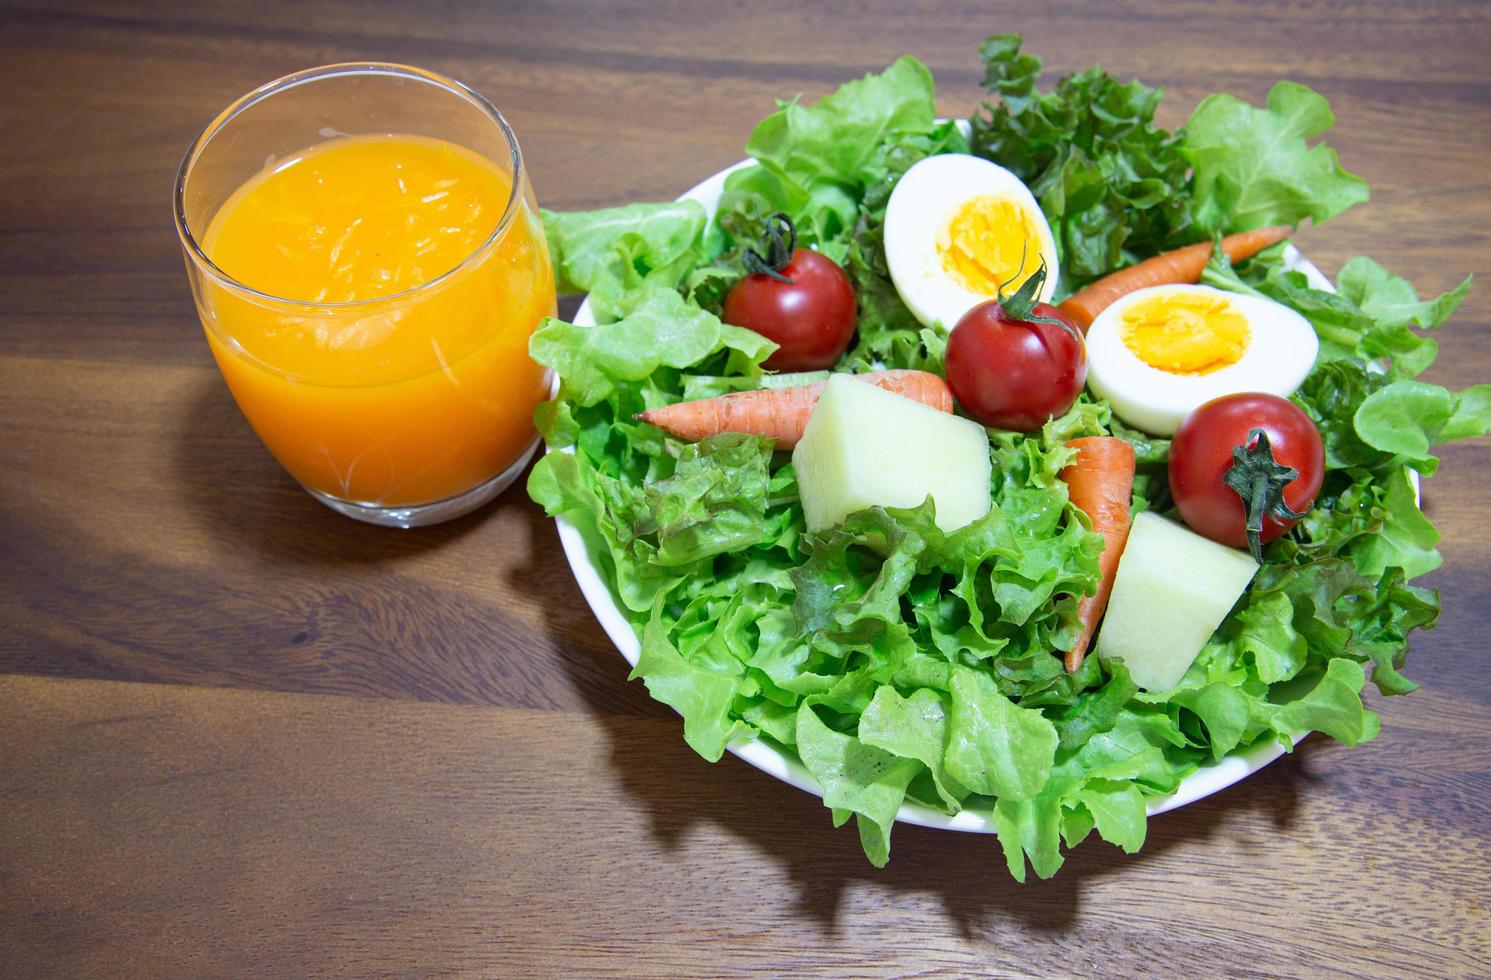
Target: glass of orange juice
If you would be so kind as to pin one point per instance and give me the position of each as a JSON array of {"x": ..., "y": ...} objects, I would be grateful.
[{"x": 368, "y": 263}]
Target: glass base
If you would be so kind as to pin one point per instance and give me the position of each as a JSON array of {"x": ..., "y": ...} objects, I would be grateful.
[{"x": 420, "y": 515}]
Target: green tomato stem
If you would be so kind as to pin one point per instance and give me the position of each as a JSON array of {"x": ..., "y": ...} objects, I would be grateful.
[{"x": 1259, "y": 480}]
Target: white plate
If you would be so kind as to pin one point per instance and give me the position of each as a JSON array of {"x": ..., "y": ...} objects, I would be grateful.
[{"x": 603, "y": 602}]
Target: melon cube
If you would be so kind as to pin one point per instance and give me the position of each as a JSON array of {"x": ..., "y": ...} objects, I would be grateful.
[
  {"x": 864, "y": 446},
  {"x": 1173, "y": 590}
]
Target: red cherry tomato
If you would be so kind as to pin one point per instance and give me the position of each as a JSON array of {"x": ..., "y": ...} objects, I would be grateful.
[
  {"x": 1011, "y": 372},
  {"x": 1202, "y": 453},
  {"x": 811, "y": 318}
]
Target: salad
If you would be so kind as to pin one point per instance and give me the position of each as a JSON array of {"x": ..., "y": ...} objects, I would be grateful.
[{"x": 900, "y": 582}]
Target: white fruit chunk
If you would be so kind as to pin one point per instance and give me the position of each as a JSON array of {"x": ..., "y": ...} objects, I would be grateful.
[
  {"x": 864, "y": 446},
  {"x": 1173, "y": 590}
]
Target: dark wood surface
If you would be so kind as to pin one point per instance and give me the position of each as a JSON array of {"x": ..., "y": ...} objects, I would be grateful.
[{"x": 242, "y": 735}]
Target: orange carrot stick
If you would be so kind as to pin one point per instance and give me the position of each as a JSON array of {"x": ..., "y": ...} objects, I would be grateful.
[
  {"x": 1177, "y": 266},
  {"x": 1100, "y": 481},
  {"x": 782, "y": 413}
]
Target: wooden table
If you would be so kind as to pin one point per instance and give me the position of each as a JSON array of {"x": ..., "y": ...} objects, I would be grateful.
[{"x": 242, "y": 735}]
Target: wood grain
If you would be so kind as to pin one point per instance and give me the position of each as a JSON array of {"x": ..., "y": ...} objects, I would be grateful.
[
  {"x": 354, "y": 751},
  {"x": 508, "y": 840}
]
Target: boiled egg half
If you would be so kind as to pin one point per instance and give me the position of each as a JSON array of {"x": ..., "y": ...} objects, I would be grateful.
[
  {"x": 958, "y": 228},
  {"x": 1158, "y": 353}
]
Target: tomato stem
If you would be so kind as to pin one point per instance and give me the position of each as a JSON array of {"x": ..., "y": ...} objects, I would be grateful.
[
  {"x": 1021, "y": 304},
  {"x": 1259, "y": 480},
  {"x": 779, "y": 243}
]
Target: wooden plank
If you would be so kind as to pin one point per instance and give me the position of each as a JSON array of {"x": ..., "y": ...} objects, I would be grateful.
[{"x": 159, "y": 830}]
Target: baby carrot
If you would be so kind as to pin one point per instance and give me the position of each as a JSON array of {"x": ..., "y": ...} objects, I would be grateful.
[
  {"x": 1100, "y": 481},
  {"x": 782, "y": 413},
  {"x": 1176, "y": 266}
]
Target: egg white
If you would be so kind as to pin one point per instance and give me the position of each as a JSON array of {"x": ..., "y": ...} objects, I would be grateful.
[
  {"x": 924, "y": 202},
  {"x": 1282, "y": 346}
]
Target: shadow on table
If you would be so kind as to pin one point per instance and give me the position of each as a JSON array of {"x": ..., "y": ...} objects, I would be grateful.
[
  {"x": 966, "y": 872},
  {"x": 232, "y": 485}
]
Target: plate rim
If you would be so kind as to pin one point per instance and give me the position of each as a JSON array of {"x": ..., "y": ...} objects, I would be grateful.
[{"x": 1209, "y": 778}]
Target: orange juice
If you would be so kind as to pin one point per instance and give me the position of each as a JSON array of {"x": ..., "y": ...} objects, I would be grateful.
[{"x": 387, "y": 361}]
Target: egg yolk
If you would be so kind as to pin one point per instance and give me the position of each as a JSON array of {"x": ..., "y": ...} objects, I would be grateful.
[
  {"x": 985, "y": 244},
  {"x": 1185, "y": 333}
]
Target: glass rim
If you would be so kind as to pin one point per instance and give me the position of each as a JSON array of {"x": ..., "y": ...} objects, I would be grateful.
[{"x": 211, "y": 269}]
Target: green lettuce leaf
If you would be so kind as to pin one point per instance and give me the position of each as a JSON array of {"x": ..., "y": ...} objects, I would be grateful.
[
  {"x": 1099, "y": 710},
  {"x": 1333, "y": 706},
  {"x": 1401, "y": 535},
  {"x": 1101, "y": 785},
  {"x": 714, "y": 503},
  {"x": 1407, "y": 418},
  {"x": 1331, "y": 396},
  {"x": 1224, "y": 709},
  {"x": 1255, "y": 167},
  {"x": 996, "y": 747},
  {"x": 868, "y": 781},
  {"x": 1029, "y": 827},
  {"x": 1267, "y": 638},
  {"x": 660, "y": 330},
  {"x": 913, "y": 727},
  {"x": 1113, "y": 185},
  {"x": 1392, "y": 299},
  {"x": 1340, "y": 613},
  {"x": 703, "y": 696},
  {"x": 614, "y": 251},
  {"x": 1118, "y": 811},
  {"x": 813, "y": 162}
]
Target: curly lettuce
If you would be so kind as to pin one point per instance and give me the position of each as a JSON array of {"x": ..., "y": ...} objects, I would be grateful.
[{"x": 1112, "y": 184}]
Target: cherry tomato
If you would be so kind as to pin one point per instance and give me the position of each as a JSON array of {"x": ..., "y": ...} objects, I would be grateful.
[
  {"x": 1257, "y": 438},
  {"x": 1015, "y": 365},
  {"x": 811, "y": 318},
  {"x": 795, "y": 297}
]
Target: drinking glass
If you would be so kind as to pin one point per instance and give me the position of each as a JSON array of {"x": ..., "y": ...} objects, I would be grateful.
[{"x": 400, "y": 409}]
